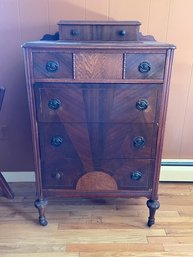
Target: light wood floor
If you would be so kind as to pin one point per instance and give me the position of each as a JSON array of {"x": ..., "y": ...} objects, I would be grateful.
[{"x": 98, "y": 228}]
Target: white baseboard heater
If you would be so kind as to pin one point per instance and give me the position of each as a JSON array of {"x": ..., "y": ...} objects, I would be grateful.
[{"x": 180, "y": 170}]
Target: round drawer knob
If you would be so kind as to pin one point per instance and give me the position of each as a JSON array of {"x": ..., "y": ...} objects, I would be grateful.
[
  {"x": 136, "y": 175},
  {"x": 122, "y": 32},
  {"x": 58, "y": 175},
  {"x": 54, "y": 104},
  {"x": 52, "y": 66},
  {"x": 74, "y": 32},
  {"x": 142, "y": 104},
  {"x": 139, "y": 142},
  {"x": 144, "y": 67},
  {"x": 56, "y": 141}
]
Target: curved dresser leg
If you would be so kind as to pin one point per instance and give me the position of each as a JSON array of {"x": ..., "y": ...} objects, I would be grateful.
[
  {"x": 40, "y": 204},
  {"x": 153, "y": 205}
]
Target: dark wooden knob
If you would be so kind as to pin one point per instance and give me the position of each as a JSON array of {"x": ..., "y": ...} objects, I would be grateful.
[
  {"x": 136, "y": 175},
  {"x": 54, "y": 104},
  {"x": 74, "y": 32},
  {"x": 138, "y": 142},
  {"x": 142, "y": 104},
  {"x": 58, "y": 175},
  {"x": 122, "y": 32},
  {"x": 56, "y": 141},
  {"x": 52, "y": 66},
  {"x": 144, "y": 67}
]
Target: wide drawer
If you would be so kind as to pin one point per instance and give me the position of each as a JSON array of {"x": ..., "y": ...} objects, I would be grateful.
[
  {"x": 92, "y": 142},
  {"x": 113, "y": 175},
  {"x": 97, "y": 103},
  {"x": 145, "y": 66},
  {"x": 99, "y": 32},
  {"x": 52, "y": 65}
]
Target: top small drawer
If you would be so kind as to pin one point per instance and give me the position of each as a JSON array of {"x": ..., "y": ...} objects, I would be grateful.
[{"x": 98, "y": 31}]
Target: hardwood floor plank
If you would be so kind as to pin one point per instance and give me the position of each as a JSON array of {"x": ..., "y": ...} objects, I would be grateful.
[
  {"x": 45, "y": 254},
  {"x": 104, "y": 236},
  {"x": 179, "y": 232},
  {"x": 178, "y": 247},
  {"x": 121, "y": 247},
  {"x": 136, "y": 254},
  {"x": 28, "y": 230},
  {"x": 170, "y": 240}
]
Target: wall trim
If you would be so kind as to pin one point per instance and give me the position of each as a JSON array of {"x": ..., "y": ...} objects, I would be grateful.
[
  {"x": 19, "y": 176},
  {"x": 177, "y": 162},
  {"x": 179, "y": 170}
]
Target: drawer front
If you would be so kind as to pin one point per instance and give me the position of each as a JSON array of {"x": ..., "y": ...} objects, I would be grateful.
[
  {"x": 120, "y": 174},
  {"x": 61, "y": 173},
  {"x": 129, "y": 141},
  {"x": 131, "y": 174},
  {"x": 98, "y": 103},
  {"x": 90, "y": 143},
  {"x": 52, "y": 65},
  {"x": 98, "y": 33},
  {"x": 119, "y": 33},
  {"x": 145, "y": 66},
  {"x": 76, "y": 32}
]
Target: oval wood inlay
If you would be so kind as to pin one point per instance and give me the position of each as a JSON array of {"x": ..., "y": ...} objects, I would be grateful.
[{"x": 96, "y": 181}]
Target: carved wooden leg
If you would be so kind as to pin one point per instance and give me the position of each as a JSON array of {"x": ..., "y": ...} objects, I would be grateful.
[
  {"x": 153, "y": 205},
  {"x": 40, "y": 204}
]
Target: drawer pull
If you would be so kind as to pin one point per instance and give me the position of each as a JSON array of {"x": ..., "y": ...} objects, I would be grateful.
[
  {"x": 52, "y": 66},
  {"x": 54, "y": 104},
  {"x": 136, "y": 175},
  {"x": 56, "y": 141},
  {"x": 139, "y": 142},
  {"x": 122, "y": 32},
  {"x": 58, "y": 175},
  {"x": 74, "y": 32},
  {"x": 144, "y": 67},
  {"x": 142, "y": 104}
]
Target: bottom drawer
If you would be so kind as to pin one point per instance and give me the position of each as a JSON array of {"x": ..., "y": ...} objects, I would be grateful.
[{"x": 114, "y": 174}]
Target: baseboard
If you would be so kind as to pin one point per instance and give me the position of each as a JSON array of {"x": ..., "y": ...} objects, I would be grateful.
[
  {"x": 15, "y": 176},
  {"x": 180, "y": 170}
]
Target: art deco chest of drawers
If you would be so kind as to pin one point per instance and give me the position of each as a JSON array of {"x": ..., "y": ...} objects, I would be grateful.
[{"x": 97, "y": 100}]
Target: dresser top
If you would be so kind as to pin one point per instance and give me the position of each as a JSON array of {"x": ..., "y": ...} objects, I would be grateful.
[
  {"x": 98, "y": 45},
  {"x": 90, "y": 22}
]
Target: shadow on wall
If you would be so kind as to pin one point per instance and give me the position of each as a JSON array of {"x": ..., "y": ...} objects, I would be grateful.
[{"x": 21, "y": 22}]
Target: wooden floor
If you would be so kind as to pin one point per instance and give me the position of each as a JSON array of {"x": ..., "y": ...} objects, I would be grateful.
[{"x": 97, "y": 228}]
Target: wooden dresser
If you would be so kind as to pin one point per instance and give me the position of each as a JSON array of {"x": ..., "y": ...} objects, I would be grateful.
[{"x": 98, "y": 99}]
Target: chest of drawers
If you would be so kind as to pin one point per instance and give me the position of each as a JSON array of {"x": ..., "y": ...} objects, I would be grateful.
[{"x": 98, "y": 100}]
